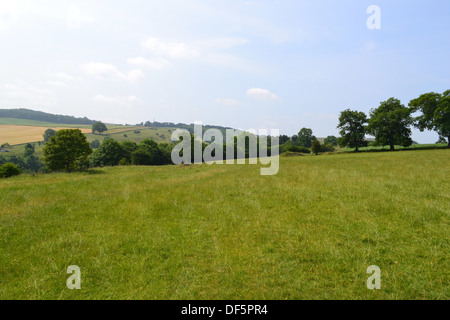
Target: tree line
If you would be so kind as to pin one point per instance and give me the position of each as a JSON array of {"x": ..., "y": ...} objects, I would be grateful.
[
  {"x": 390, "y": 124},
  {"x": 392, "y": 121},
  {"x": 43, "y": 116}
]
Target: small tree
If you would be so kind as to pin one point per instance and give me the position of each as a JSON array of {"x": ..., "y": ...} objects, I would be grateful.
[
  {"x": 352, "y": 128},
  {"x": 305, "y": 137},
  {"x": 315, "y": 147},
  {"x": 8, "y": 170},
  {"x": 67, "y": 148},
  {"x": 48, "y": 134},
  {"x": 95, "y": 144},
  {"x": 99, "y": 127},
  {"x": 29, "y": 150},
  {"x": 331, "y": 140}
]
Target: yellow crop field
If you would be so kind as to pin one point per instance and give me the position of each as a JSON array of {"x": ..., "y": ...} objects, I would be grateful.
[{"x": 22, "y": 134}]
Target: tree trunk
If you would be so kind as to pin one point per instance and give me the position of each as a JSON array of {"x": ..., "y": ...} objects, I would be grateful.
[
  {"x": 392, "y": 147},
  {"x": 448, "y": 146}
]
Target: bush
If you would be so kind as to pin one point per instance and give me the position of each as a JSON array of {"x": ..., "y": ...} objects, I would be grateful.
[
  {"x": 328, "y": 147},
  {"x": 95, "y": 144},
  {"x": 296, "y": 149},
  {"x": 316, "y": 147},
  {"x": 289, "y": 154},
  {"x": 9, "y": 170}
]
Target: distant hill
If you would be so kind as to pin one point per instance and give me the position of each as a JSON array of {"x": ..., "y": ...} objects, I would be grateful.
[
  {"x": 43, "y": 116},
  {"x": 28, "y": 114},
  {"x": 189, "y": 127}
]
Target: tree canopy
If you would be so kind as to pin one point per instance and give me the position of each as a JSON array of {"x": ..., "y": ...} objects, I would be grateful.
[
  {"x": 99, "y": 127},
  {"x": 435, "y": 110},
  {"x": 67, "y": 150},
  {"x": 390, "y": 124},
  {"x": 305, "y": 137},
  {"x": 49, "y": 133},
  {"x": 353, "y": 131}
]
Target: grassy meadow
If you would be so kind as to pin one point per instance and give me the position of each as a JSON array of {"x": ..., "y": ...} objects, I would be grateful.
[{"x": 226, "y": 232}]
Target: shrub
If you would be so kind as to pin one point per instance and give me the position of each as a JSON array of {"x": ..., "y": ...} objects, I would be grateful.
[
  {"x": 316, "y": 147},
  {"x": 289, "y": 154},
  {"x": 328, "y": 147},
  {"x": 9, "y": 170},
  {"x": 296, "y": 149}
]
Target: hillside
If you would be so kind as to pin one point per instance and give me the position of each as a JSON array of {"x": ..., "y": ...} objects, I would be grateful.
[
  {"x": 19, "y": 118},
  {"x": 225, "y": 232},
  {"x": 43, "y": 116}
]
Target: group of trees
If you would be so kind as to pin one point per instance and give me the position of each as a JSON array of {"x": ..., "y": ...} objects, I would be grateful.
[
  {"x": 306, "y": 142},
  {"x": 69, "y": 150},
  {"x": 28, "y": 162},
  {"x": 147, "y": 152},
  {"x": 391, "y": 122}
]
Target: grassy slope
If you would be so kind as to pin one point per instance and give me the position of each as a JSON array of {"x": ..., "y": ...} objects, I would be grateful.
[
  {"x": 201, "y": 232},
  {"x": 26, "y": 122}
]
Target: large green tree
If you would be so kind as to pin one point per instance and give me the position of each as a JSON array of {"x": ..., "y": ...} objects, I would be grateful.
[
  {"x": 435, "y": 110},
  {"x": 353, "y": 130},
  {"x": 99, "y": 127},
  {"x": 390, "y": 124},
  {"x": 66, "y": 150},
  {"x": 305, "y": 137}
]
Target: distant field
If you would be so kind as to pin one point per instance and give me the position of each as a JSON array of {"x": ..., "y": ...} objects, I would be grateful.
[
  {"x": 25, "y": 122},
  {"x": 159, "y": 135},
  {"x": 225, "y": 232},
  {"x": 22, "y": 134},
  {"x": 21, "y": 131}
]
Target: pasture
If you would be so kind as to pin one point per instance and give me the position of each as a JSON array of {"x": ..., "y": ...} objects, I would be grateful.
[{"x": 225, "y": 232}]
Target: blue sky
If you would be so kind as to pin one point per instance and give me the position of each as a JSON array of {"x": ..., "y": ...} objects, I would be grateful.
[{"x": 245, "y": 64}]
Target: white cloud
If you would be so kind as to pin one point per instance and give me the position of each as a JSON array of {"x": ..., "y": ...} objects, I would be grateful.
[
  {"x": 63, "y": 76},
  {"x": 122, "y": 101},
  {"x": 56, "y": 83},
  {"x": 261, "y": 94},
  {"x": 23, "y": 94},
  {"x": 108, "y": 71},
  {"x": 228, "y": 102},
  {"x": 171, "y": 49},
  {"x": 155, "y": 64},
  {"x": 75, "y": 18}
]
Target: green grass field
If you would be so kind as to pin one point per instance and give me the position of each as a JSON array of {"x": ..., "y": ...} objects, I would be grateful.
[{"x": 225, "y": 232}]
